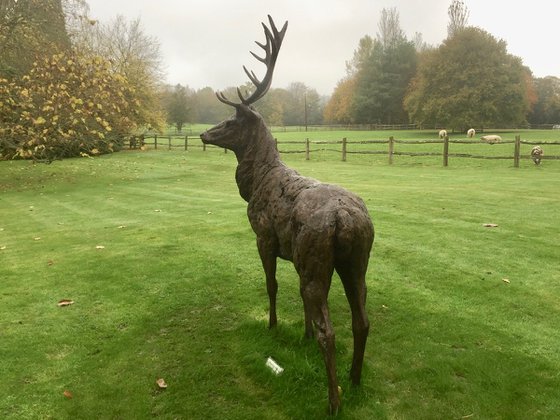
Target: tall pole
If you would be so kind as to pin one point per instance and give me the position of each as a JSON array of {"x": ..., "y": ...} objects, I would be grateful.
[{"x": 305, "y": 110}]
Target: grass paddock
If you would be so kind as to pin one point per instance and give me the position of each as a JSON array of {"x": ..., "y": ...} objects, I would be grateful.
[{"x": 156, "y": 252}]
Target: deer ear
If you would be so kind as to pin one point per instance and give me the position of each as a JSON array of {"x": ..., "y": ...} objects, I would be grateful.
[{"x": 245, "y": 112}]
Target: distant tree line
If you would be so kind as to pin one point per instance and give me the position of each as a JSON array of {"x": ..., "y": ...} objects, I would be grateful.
[
  {"x": 295, "y": 105},
  {"x": 470, "y": 80}
]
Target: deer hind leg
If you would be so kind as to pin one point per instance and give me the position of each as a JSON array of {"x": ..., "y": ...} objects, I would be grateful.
[
  {"x": 268, "y": 259},
  {"x": 313, "y": 257},
  {"x": 314, "y": 294},
  {"x": 353, "y": 279},
  {"x": 307, "y": 315}
]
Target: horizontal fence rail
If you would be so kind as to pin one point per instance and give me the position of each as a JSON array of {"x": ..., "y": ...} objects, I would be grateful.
[{"x": 344, "y": 146}]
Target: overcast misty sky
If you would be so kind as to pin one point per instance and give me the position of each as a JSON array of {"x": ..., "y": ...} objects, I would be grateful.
[{"x": 206, "y": 42}]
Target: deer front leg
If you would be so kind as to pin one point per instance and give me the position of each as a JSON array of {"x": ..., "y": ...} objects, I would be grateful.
[{"x": 268, "y": 259}]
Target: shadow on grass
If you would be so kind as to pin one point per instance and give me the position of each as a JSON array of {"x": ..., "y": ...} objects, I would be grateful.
[{"x": 300, "y": 391}]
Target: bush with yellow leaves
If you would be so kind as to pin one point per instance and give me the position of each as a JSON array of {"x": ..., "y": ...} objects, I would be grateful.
[{"x": 67, "y": 106}]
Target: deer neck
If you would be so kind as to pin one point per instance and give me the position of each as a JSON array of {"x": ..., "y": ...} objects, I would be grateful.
[{"x": 255, "y": 161}]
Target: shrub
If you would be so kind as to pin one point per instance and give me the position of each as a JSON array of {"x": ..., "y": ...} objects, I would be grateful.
[{"x": 68, "y": 105}]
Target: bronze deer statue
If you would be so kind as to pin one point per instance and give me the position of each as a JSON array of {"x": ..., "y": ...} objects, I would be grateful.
[{"x": 319, "y": 227}]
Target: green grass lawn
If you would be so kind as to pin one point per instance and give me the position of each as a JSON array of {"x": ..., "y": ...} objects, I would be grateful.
[{"x": 155, "y": 250}]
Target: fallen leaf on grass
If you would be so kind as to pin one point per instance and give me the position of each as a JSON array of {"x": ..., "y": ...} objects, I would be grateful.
[
  {"x": 3, "y": 247},
  {"x": 50, "y": 262},
  {"x": 121, "y": 227},
  {"x": 161, "y": 383},
  {"x": 67, "y": 394},
  {"x": 490, "y": 225},
  {"x": 157, "y": 211},
  {"x": 65, "y": 302},
  {"x": 99, "y": 247},
  {"x": 38, "y": 238},
  {"x": 506, "y": 281}
]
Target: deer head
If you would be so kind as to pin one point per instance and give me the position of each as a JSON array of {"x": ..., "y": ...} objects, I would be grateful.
[{"x": 238, "y": 132}]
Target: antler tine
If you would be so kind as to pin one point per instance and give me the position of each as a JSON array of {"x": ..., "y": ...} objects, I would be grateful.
[
  {"x": 222, "y": 98},
  {"x": 240, "y": 95},
  {"x": 251, "y": 75},
  {"x": 271, "y": 48}
]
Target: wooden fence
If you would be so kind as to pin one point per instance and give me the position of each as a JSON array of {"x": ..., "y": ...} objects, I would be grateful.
[{"x": 188, "y": 142}]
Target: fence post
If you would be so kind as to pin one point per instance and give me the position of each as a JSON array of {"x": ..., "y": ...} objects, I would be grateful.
[
  {"x": 155, "y": 141},
  {"x": 516, "y": 151},
  {"x": 391, "y": 149},
  {"x": 169, "y": 143},
  {"x": 186, "y": 142},
  {"x": 445, "y": 150},
  {"x": 344, "y": 149}
]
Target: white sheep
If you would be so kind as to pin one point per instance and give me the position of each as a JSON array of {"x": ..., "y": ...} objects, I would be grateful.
[
  {"x": 493, "y": 138},
  {"x": 471, "y": 132},
  {"x": 442, "y": 134},
  {"x": 536, "y": 154}
]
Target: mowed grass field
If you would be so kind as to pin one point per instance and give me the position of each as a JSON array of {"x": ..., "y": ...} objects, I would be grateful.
[{"x": 156, "y": 253}]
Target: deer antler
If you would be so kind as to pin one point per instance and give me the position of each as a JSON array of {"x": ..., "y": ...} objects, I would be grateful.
[{"x": 272, "y": 47}]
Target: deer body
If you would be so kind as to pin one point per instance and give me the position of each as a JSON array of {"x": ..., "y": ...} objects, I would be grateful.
[{"x": 317, "y": 226}]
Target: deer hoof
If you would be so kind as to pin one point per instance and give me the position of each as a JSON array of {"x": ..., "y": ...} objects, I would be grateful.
[{"x": 334, "y": 406}]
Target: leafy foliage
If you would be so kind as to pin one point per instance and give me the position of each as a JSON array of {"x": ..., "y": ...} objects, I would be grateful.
[
  {"x": 178, "y": 103},
  {"x": 66, "y": 106},
  {"x": 384, "y": 74},
  {"x": 58, "y": 97},
  {"x": 547, "y": 106},
  {"x": 469, "y": 81},
  {"x": 339, "y": 108},
  {"x": 377, "y": 77},
  {"x": 135, "y": 55},
  {"x": 28, "y": 28},
  {"x": 382, "y": 84}
]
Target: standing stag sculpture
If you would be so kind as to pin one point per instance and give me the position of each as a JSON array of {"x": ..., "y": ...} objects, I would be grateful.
[{"x": 319, "y": 227}]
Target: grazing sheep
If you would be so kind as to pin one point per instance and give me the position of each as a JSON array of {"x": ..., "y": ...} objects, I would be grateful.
[
  {"x": 442, "y": 134},
  {"x": 471, "y": 132},
  {"x": 491, "y": 138},
  {"x": 536, "y": 154}
]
